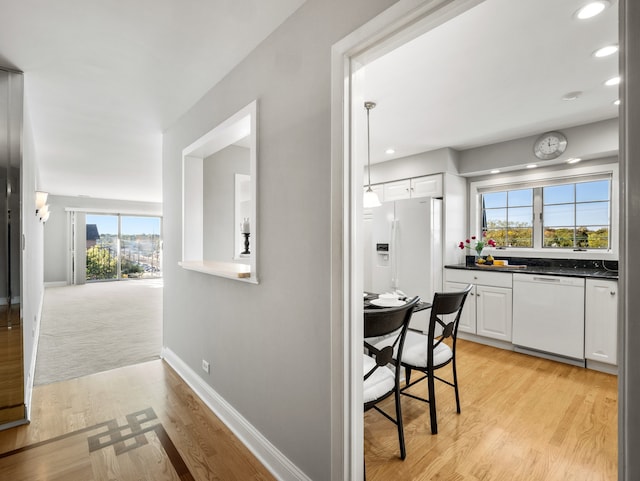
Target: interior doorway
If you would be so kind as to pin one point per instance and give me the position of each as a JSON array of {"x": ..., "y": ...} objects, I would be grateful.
[{"x": 381, "y": 35}]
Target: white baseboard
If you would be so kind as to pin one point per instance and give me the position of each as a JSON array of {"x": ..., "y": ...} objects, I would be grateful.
[
  {"x": 276, "y": 462},
  {"x": 56, "y": 284}
]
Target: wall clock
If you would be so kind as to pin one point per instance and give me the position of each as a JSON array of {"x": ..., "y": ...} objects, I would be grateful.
[{"x": 550, "y": 145}]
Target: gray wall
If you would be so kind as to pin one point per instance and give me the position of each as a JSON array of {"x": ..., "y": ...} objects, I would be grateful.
[
  {"x": 219, "y": 226},
  {"x": 269, "y": 344},
  {"x": 595, "y": 140},
  {"x": 56, "y": 229},
  {"x": 629, "y": 399},
  {"x": 589, "y": 141}
]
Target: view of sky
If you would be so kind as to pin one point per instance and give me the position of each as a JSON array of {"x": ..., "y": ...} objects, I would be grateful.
[{"x": 108, "y": 224}]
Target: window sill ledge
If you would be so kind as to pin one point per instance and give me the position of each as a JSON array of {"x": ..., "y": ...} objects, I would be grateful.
[{"x": 229, "y": 270}]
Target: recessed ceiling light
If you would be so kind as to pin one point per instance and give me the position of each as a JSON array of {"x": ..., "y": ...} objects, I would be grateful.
[
  {"x": 532, "y": 166},
  {"x": 389, "y": 151},
  {"x": 574, "y": 160},
  {"x": 616, "y": 102},
  {"x": 592, "y": 9},
  {"x": 495, "y": 171},
  {"x": 612, "y": 81},
  {"x": 572, "y": 96},
  {"x": 606, "y": 51}
]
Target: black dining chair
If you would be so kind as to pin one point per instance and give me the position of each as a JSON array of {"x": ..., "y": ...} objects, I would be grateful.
[
  {"x": 432, "y": 351},
  {"x": 381, "y": 368}
]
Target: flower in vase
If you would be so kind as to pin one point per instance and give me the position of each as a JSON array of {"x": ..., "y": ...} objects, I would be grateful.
[{"x": 477, "y": 244}]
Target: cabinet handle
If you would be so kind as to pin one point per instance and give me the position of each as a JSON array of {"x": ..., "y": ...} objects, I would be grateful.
[
  {"x": 613, "y": 293},
  {"x": 475, "y": 278}
]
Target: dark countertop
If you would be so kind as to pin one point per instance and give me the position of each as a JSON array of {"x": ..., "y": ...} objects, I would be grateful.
[{"x": 546, "y": 270}]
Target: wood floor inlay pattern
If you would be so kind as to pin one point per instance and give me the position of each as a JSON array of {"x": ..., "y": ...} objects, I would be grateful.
[
  {"x": 138, "y": 423},
  {"x": 140, "y": 429}
]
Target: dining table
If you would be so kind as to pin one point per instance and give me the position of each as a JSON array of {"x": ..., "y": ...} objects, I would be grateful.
[{"x": 370, "y": 296}]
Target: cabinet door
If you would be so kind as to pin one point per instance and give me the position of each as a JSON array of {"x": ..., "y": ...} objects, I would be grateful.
[
  {"x": 468, "y": 317},
  {"x": 428, "y": 186},
  {"x": 397, "y": 190},
  {"x": 601, "y": 320},
  {"x": 493, "y": 312}
]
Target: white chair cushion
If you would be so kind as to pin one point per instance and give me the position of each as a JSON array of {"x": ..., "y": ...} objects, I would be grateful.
[
  {"x": 379, "y": 383},
  {"x": 415, "y": 350}
]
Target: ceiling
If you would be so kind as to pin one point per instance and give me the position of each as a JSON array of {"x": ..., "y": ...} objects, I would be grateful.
[
  {"x": 495, "y": 73},
  {"x": 104, "y": 79}
]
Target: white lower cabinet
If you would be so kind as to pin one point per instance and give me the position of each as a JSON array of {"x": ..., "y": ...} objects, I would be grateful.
[
  {"x": 488, "y": 308},
  {"x": 468, "y": 316},
  {"x": 494, "y": 312},
  {"x": 601, "y": 320}
]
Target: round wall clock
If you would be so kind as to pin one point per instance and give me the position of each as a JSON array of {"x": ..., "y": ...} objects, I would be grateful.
[{"x": 550, "y": 145}]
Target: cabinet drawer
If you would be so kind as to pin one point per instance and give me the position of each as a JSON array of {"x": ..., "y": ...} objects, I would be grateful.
[{"x": 497, "y": 279}]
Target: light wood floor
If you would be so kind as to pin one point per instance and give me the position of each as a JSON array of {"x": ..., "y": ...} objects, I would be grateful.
[
  {"x": 138, "y": 423},
  {"x": 523, "y": 419}
]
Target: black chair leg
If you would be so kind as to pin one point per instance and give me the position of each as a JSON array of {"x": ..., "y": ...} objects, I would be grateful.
[
  {"x": 407, "y": 375},
  {"x": 455, "y": 385},
  {"x": 432, "y": 403},
  {"x": 403, "y": 451}
]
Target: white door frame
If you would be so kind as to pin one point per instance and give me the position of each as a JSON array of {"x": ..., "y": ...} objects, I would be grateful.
[{"x": 403, "y": 21}]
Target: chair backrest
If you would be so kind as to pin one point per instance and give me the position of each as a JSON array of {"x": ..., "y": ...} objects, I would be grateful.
[
  {"x": 445, "y": 303},
  {"x": 393, "y": 321}
]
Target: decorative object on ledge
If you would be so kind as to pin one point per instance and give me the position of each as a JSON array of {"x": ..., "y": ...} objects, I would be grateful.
[
  {"x": 245, "y": 229},
  {"x": 370, "y": 198}
]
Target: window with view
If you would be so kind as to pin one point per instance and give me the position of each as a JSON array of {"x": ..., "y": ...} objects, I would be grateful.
[
  {"x": 508, "y": 217},
  {"x": 575, "y": 215}
]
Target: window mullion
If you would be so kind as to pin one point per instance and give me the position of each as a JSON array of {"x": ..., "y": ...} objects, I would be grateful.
[{"x": 538, "y": 221}]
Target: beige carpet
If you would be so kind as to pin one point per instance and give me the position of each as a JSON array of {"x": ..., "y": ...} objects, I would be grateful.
[{"x": 97, "y": 327}]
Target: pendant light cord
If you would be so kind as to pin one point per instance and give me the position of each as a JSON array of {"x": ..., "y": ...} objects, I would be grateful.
[{"x": 369, "y": 106}]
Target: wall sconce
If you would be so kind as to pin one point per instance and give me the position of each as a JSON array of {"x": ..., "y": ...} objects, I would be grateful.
[
  {"x": 41, "y": 200},
  {"x": 44, "y": 213},
  {"x": 42, "y": 209}
]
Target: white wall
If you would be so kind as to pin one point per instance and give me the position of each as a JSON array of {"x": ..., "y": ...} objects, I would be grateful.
[
  {"x": 32, "y": 259},
  {"x": 269, "y": 344},
  {"x": 56, "y": 229}
]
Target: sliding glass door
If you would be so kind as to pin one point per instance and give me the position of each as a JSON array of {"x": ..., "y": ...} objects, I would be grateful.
[
  {"x": 102, "y": 247},
  {"x": 122, "y": 247},
  {"x": 140, "y": 247}
]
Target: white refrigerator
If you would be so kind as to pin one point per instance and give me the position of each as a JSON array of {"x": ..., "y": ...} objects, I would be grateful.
[{"x": 403, "y": 250}]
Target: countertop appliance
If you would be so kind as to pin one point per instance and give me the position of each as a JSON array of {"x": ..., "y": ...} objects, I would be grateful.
[
  {"x": 403, "y": 250},
  {"x": 548, "y": 314}
]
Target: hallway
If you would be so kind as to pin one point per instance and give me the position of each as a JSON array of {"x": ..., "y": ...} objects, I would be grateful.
[{"x": 135, "y": 423}]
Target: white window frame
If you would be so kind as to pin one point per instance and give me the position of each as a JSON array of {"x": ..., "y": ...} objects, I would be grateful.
[{"x": 534, "y": 179}]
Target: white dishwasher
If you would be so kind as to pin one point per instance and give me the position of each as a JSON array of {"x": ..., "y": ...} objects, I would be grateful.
[{"x": 548, "y": 314}]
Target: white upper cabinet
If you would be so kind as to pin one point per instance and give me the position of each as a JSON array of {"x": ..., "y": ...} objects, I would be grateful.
[
  {"x": 427, "y": 186},
  {"x": 400, "y": 189}
]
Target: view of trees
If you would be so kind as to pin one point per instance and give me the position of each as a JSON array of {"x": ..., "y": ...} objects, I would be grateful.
[
  {"x": 521, "y": 235},
  {"x": 139, "y": 257}
]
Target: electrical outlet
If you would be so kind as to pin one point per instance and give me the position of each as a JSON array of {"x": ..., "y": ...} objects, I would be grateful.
[{"x": 205, "y": 366}]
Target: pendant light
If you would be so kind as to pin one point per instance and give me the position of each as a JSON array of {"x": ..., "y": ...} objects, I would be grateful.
[{"x": 370, "y": 197}]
